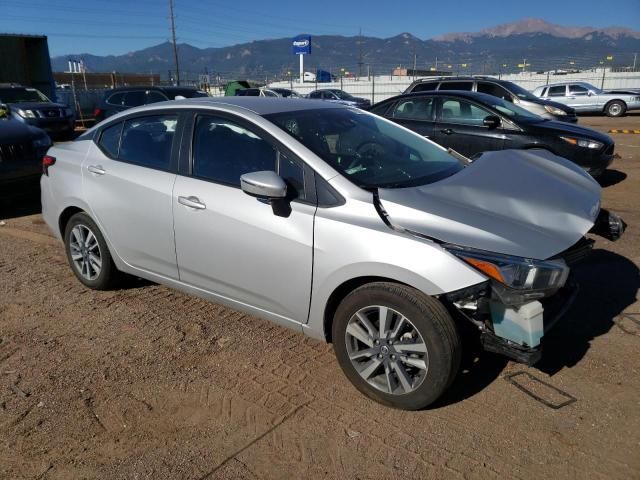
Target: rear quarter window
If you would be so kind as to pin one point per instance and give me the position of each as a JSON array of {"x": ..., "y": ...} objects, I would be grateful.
[
  {"x": 109, "y": 140},
  {"x": 425, "y": 87}
]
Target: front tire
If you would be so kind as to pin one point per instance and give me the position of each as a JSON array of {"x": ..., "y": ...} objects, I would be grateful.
[
  {"x": 88, "y": 254},
  {"x": 615, "y": 108},
  {"x": 397, "y": 345}
]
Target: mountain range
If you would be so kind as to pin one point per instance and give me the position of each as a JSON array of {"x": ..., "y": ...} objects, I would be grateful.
[{"x": 544, "y": 46}]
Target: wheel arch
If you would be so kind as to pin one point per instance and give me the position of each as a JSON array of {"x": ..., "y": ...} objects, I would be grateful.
[
  {"x": 341, "y": 291},
  {"x": 66, "y": 215},
  {"x": 606, "y": 105}
]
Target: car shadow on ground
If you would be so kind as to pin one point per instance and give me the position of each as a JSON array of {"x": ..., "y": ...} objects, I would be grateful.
[
  {"x": 608, "y": 284},
  {"x": 610, "y": 178},
  {"x": 20, "y": 203}
]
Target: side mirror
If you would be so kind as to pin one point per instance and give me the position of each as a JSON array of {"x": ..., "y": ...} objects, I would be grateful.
[
  {"x": 491, "y": 121},
  {"x": 590, "y": 93},
  {"x": 264, "y": 184}
]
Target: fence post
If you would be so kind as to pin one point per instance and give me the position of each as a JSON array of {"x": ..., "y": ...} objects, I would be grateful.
[
  {"x": 547, "y": 77},
  {"x": 604, "y": 70},
  {"x": 340, "y": 80},
  {"x": 373, "y": 87}
]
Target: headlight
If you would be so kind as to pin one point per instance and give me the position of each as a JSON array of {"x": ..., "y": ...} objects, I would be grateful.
[
  {"x": 516, "y": 272},
  {"x": 554, "y": 110},
  {"x": 68, "y": 112},
  {"x": 583, "y": 142},
  {"x": 42, "y": 142},
  {"x": 26, "y": 113}
]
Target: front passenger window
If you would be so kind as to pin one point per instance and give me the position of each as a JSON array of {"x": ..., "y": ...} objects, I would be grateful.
[{"x": 224, "y": 150}]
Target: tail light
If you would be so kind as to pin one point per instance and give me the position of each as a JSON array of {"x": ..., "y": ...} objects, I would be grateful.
[
  {"x": 97, "y": 113},
  {"x": 47, "y": 161}
]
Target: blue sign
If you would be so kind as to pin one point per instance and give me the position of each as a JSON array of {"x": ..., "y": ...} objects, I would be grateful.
[{"x": 301, "y": 45}]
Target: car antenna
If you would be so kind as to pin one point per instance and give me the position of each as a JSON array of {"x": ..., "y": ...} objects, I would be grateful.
[{"x": 465, "y": 160}]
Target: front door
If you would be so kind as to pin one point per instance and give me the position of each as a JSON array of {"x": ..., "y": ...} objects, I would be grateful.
[
  {"x": 239, "y": 247},
  {"x": 459, "y": 126},
  {"x": 128, "y": 178}
]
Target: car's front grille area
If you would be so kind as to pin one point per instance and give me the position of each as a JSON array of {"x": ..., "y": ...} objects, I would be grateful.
[
  {"x": 16, "y": 152},
  {"x": 51, "y": 112},
  {"x": 576, "y": 252}
]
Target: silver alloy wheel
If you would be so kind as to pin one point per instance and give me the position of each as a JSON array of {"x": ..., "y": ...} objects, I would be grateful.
[
  {"x": 615, "y": 109},
  {"x": 387, "y": 350},
  {"x": 85, "y": 252}
]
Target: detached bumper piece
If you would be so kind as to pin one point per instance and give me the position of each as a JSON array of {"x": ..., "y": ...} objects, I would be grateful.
[
  {"x": 609, "y": 225},
  {"x": 491, "y": 343}
]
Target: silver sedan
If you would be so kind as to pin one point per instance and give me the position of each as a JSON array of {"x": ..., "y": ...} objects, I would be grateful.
[
  {"x": 585, "y": 98},
  {"x": 328, "y": 220}
]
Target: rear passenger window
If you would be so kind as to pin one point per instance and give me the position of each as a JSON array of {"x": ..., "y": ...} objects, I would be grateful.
[
  {"x": 425, "y": 87},
  {"x": 558, "y": 91},
  {"x": 467, "y": 86},
  {"x": 147, "y": 141},
  {"x": 224, "y": 150},
  {"x": 414, "y": 109},
  {"x": 134, "y": 98},
  {"x": 110, "y": 140},
  {"x": 493, "y": 89},
  {"x": 153, "y": 97},
  {"x": 116, "y": 99}
]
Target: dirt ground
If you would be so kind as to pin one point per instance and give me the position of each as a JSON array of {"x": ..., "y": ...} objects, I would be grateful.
[{"x": 145, "y": 382}]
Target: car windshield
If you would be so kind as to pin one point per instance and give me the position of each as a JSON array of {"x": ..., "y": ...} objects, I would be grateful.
[
  {"x": 342, "y": 95},
  {"x": 366, "y": 149},
  {"x": 522, "y": 93},
  {"x": 512, "y": 111},
  {"x": 22, "y": 95}
]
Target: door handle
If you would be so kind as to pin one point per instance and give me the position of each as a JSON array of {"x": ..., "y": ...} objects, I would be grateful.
[
  {"x": 97, "y": 169},
  {"x": 192, "y": 202},
  {"x": 446, "y": 131}
]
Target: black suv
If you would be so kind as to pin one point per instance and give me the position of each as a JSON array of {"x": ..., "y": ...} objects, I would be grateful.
[
  {"x": 31, "y": 106},
  {"x": 118, "y": 99},
  {"x": 504, "y": 89}
]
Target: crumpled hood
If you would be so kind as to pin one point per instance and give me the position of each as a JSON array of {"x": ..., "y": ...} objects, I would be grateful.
[{"x": 530, "y": 204}]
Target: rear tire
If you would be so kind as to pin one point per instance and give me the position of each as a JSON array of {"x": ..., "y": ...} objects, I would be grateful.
[
  {"x": 410, "y": 360},
  {"x": 615, "y": 108},
  {"x": 88, "y": 254}
]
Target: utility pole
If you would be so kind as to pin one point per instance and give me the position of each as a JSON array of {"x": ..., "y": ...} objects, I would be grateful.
[
  {"x": 415, "y": 61},
  {"x": 360, "y": 63},
  {"x": 635, "y": 57},
  {"x": 173, "y": 36}
]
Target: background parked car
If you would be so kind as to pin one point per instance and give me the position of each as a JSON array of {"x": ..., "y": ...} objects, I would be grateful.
[
  {"x": 286, "y": 93},
  {"x": 504, "y": 89},
  {"x": 31, "y": 106},
  {"x": 471, "y": 123},
  {"x": 118, "y": 99},
  {"x": 257, "y": 92},
  {"x": 339, "y": 96},
  {"x": 585, "y": 98},
  {"x": 21, "y": 149}
]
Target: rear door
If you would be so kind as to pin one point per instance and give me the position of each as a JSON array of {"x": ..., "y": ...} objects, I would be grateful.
[
  {"x": 236, "y": 246},
  {"x": 415, "y": 113},
  {"x": 128, "y": 178},
  {"x": 558, "y": 93},
  {"x": 459, "y": 125}
]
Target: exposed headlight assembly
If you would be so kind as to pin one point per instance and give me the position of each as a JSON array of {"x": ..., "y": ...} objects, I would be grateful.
[
  {"x": 525, "y": 278},
  {"x": 554, "y": 110},
  {"x": 26, "y": 113},
  {"x": 583, "y": 142}
]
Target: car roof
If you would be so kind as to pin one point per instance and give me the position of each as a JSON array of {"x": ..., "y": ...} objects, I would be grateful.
[
  {"x": 560, "y": 84},
  {"x": 167, "y": 88},
  {"x": 480, "y": 97}
]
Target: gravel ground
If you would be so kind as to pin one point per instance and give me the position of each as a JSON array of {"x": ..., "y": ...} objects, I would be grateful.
[{"x": 145, "y": 382}]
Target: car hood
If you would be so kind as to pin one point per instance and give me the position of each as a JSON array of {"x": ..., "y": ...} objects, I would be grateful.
[
  {"x": 12, "y": 132},
  {"x": 37, "y": 105},
  {"x": 530, "y": 204},
  {"x": 562, "y": 128},
  {"x": 630, "y": 91}
]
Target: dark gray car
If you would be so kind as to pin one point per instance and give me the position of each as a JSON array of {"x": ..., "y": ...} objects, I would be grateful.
[
  {"x": 31, "y": 106},
  {"x": 21, "y": 151}
]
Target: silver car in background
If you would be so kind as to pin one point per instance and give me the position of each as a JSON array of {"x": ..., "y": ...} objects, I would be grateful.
[
  {"x": 585, "y": 98},
  {"x": 331, "y": 221}
]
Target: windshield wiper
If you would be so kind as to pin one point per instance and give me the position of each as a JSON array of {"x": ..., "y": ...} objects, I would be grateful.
[{"x": 458, "y": 156}]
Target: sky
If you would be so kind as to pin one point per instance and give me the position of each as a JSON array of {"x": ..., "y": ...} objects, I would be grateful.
[{"x": 104, "y": 27}]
